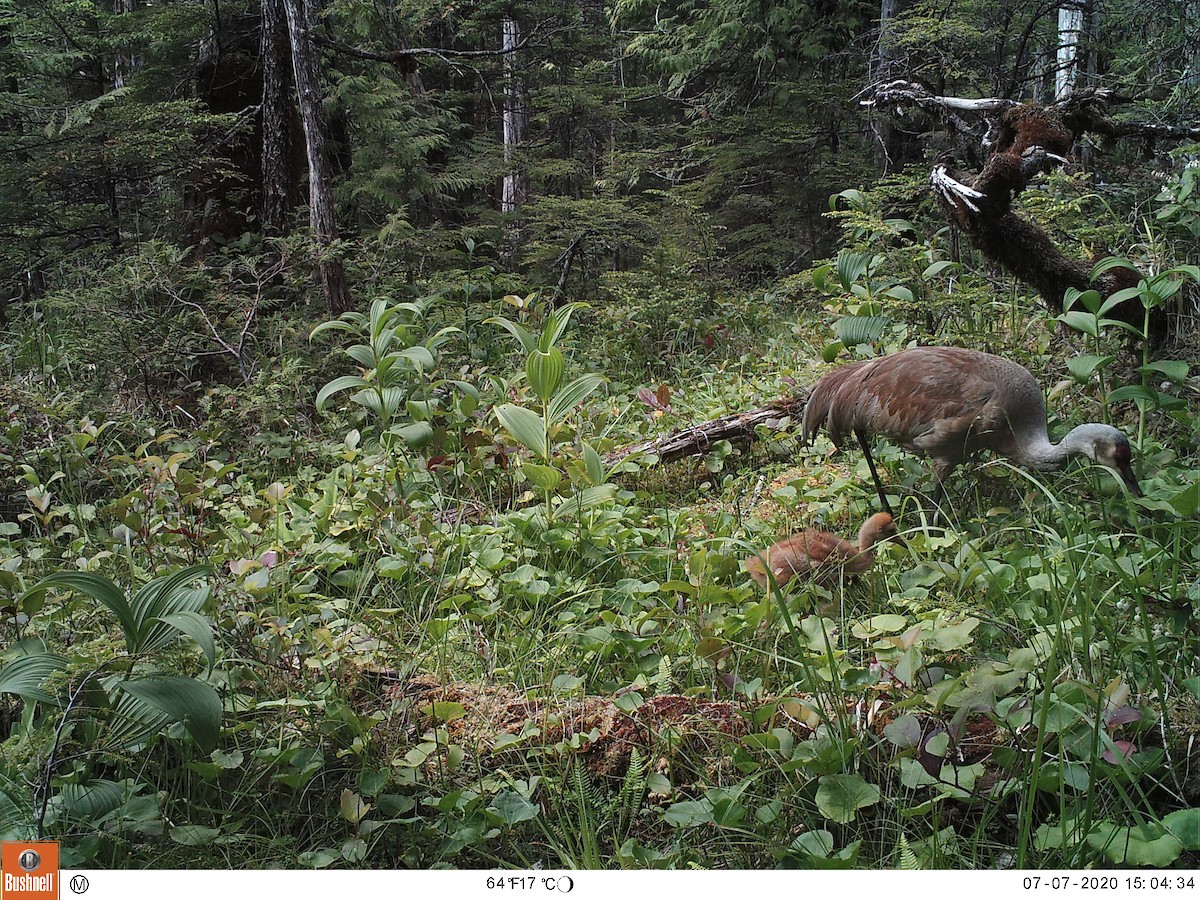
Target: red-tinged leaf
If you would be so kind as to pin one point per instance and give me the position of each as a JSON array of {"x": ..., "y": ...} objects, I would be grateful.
[
  {"x": 1119, "y": 751},
  {"x": 1123, "y": 716}
]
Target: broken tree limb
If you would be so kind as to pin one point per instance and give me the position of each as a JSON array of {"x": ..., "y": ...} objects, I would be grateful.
[
  {"x": 737, "y": 428},
  {"x": 1023, "y": 140}
]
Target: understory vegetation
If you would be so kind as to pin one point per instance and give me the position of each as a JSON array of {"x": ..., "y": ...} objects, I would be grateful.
[{"x": 285, "y": 589}]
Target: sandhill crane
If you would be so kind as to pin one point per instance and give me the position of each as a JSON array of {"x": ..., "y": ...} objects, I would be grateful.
[
  {"x": 821, "y": 556},
  {"x": 949, "y": 403}
]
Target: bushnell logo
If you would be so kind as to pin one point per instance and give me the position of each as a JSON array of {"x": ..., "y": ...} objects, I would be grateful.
[
  {"x": 30, "y": 870},
  {"x": 29, "y": 860}
]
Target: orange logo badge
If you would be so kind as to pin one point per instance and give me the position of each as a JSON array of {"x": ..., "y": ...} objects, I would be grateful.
[{"x": 30, "y": 870}]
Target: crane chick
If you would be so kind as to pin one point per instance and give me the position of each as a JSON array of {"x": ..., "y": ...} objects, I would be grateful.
[
  {"x": 949, "y": 403},
  {"x": 821, "y": 556}
]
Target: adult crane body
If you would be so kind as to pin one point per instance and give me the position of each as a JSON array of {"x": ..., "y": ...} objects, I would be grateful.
[{"x": 949, "y": 403}]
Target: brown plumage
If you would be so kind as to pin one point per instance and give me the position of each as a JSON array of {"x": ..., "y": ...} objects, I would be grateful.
[
  {"x": 821, "y": 556},
  {"x": 949, "y": 403}
]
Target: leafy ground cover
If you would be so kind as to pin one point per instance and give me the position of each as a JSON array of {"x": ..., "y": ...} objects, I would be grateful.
[{"x": 393, "y": 598}]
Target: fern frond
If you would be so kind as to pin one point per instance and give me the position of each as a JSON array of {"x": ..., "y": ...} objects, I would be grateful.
[
  {"x": 633, "y": 788},
  {"x": 908, "y": 859}
]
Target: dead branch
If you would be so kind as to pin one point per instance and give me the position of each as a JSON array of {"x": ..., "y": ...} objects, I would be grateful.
[
  {"x": 1022, "y": 141},
  {"x": 737, "y": 428},
  {"x": 405, "y": 58}
]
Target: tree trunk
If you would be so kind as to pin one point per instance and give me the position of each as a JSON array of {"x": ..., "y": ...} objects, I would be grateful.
[
  {"x": 890, "y": 146},
  {"x": 316, "y": 138},
  {"x": 125, "y": 64},
  {"x": 8, "y": 125},
  {"x": 276, "y": 120},
  {"x": 515, "y": 120},
  {"x": 86, "y": 83},
  {"x": 1191, "y": 18},
  {"x": 1070, "y": 29}
]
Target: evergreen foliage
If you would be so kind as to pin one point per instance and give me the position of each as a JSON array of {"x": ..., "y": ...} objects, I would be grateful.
[{"x": 387, "y": 589}]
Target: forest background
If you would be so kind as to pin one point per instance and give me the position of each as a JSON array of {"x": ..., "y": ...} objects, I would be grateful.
[{"x": 326, "y": 326}]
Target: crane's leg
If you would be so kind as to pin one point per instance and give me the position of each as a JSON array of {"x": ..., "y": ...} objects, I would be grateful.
[{"x": 862, "y": 442}]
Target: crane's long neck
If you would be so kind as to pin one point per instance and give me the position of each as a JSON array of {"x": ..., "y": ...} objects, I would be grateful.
[
  {"x": 875, "y": 530},
  {"x": 1036, "y": 451}
]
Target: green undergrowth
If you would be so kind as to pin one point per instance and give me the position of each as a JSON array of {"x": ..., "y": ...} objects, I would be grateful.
[{"x": 224, "y": 643}]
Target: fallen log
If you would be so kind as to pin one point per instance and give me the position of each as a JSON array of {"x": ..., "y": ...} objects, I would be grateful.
[{"x": 738, "y": 428}]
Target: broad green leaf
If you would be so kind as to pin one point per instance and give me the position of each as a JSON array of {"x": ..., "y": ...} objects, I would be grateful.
[
  {"x": 545, "y": 478},
  {"x": 1190, "y": 271},
  {"x": 103, "y": 590},
  {"x": 947, "y": 637},
  {"x": 353, "y": 809},
  {"x": 593, "y": 464},
  {"x": 526, "y": 426},
  {"x": 528, "y": 342},
  {"x": 940, "y": 266},
  {"x": 164, "y": 596},
  {"x": 904, "y": 732},
  {"x": 346, "y": 323},
  {"x": 839, "y": 797},
  {"x": 194, "y": 835},
  {"x": 710, "y": 649},
  {"x": 629, "y": 702},
  {"x": 1082, "y": 368},
  {"x": 885, "y": 623},
  {"x": 851, "y": 266},
  {"x": 444, "y": 710},
  {"x": 1137, "y": 846},
  {"x": 188, "y": 701},
  {"x": 419, "y": 356},
  {"x": 227, "y": 760},
  {"x": 512, "y": 808},
  {"x": 556, "y": 325},
  {"x": 588, "y": 498},
  {"x": 1187, "y": 501},
  {"x": 318, "y": 859},
  {"x": 1084, "y": 323},
  {"x": 855, "y": 330},
  {"x": 1090, "y": 300},
  {"x": 92, "y": 800},
  {"x": 820, "y": 277},
  {"x": 363, "y": 355},
  {"x": 544, "y": 372},
  {"x": 854, "y": 198},
  {"x": 1174, "y": 370},
  {"x": 689, "y": 813},
  {"x": 383, "y": 402},
  {"x": 1184, "y": 824},
  {"x": 1111, "y": 262},
  {"x": 342, "y": 383},
  {"x": 1117, "y": 298},
  {"x": 814, "y": 843},
  {"x": 16, "y": 822},
  {"x": 571, "y": 395},
  {"x": 130, "y": 721},
  {"x": 938, "y": 745},
  {"x": 414, "y": 434},
  {"x": 198, "y": 628},
  {"x": 1133, "y": 392},
  {"x": 25, "y": 675},
  {"x": 354, "y": 850},
  {"x": 727, "y": 812}
]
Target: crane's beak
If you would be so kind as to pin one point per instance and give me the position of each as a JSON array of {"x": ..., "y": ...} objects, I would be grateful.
[{"x": 1125, "y": 470}]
